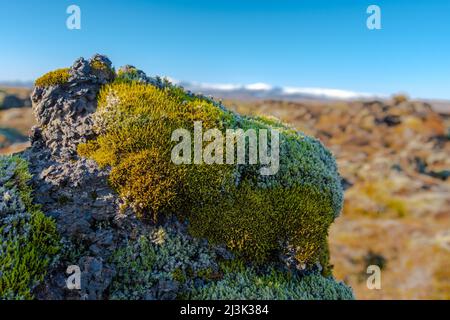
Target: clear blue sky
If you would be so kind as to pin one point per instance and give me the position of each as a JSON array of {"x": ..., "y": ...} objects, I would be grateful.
[{"x": 312, "y": 43}]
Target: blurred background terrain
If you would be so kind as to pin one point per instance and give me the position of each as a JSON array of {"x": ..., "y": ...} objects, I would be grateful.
[
  {"x": 393, "y": 155},
  {"x": 394, "y": 160},
  {"x": 16, "y": 118}
]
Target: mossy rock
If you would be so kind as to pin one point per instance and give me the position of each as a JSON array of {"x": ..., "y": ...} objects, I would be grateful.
[
  {"x": 29, "y": 240},
  {"x": 53, "y": 78},
  {"x": 101, "y": 69},
  {"x": 248, "y": 284},
  {"x": 168, "y": 255},
  {"x": 257, "y": 216}
]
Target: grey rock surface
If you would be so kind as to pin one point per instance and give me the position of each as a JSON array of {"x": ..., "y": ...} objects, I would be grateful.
[
  {"x": 90, "y": 217},
  {"x": 74, "y": 190}
]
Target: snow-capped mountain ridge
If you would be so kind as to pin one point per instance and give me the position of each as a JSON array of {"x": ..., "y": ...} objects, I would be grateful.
[{"x": 267, "y": 91}]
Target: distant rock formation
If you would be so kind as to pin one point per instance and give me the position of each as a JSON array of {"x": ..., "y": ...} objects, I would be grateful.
[{"x": 9, "y": 101}]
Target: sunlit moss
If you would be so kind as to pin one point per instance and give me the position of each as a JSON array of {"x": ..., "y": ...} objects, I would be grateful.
[
  {"x": 137, "y": 145},
  {"x": 53, "y": 78},
  {"x": 254, "y": 215}
]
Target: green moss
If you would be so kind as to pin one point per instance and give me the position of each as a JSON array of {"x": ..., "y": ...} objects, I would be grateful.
[
  {"x": 206, "y": 274},
  {"x": 137, "y": 145},
  {"x": 164, "y": 255},
  {"x": 178, "y": 275},
  {"x": 168, "y": 255},
  {"x": 53, "y": 78},
  {"x": 256, "y": 220},
  {"x": 249, "y": 284},
  {"x": 252, "y": 214},
  {"x": 29, "y": 239},
  {"x": 324, "y": 259}
]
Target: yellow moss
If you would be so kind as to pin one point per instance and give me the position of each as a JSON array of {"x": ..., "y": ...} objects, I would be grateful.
[
  {"x": 101, "y": 68},
  {"x": 53, "y": 78},
  {"x": 98, "y": 65},
  {"x": 254, "y": 220},
  {"x": 153, "y": 185},
  {"x": 137, "y": 146}
]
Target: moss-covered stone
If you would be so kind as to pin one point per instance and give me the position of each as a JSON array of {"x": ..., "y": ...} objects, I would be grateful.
[
  {"x": 248, "y": 284},
  {"x": 165, "y": 255},
  {"x": 101, "y": 69},
  {"x": 53, "y": 78},
  {"x": 255, "y": 215},
  {"x": 168, "y": 255},
  {"x": 29, "y": 239}
]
